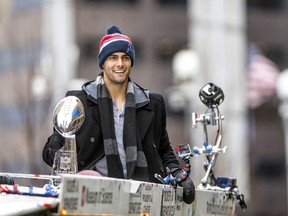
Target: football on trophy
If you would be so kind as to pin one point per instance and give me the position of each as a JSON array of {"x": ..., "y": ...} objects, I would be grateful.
[{"x": 68, "y": 116}]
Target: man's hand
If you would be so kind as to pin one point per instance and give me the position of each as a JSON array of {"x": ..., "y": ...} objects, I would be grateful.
[
  {"x": 188, "y": 191},
  {"x": 188, "y": 186},
  {"x": 57, "y": 141}
]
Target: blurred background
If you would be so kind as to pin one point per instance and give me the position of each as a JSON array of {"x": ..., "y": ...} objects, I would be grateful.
[{"x": 50, "y": 46}]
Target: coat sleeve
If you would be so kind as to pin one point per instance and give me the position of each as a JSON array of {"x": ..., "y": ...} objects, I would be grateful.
[
  {"x": 165, "y": 149},
  {"x": 54, "y": 142}
]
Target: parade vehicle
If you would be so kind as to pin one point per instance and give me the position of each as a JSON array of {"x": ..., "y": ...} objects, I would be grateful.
[{"x": 68, "y": 193}]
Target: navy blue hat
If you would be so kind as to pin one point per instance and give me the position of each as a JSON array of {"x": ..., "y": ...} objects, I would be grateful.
[{"x": 115, "y": 41}]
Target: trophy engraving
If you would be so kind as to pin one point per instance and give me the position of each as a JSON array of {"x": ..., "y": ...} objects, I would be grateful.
[{"x": 68, "y": 116}]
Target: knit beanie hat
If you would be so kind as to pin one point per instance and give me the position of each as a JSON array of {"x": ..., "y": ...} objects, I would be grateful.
[{"x": 115, "y": 41}]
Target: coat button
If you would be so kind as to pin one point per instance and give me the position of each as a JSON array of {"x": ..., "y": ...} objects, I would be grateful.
[
  {"x": 92, "y": 139},
  {"x": 82, "y": 163}
]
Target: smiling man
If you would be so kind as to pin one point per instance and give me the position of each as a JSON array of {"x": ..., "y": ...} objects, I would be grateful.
[{"x": 124, "y": 133}]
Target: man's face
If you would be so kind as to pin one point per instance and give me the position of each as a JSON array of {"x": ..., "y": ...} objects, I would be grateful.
[{"x": 117, "y": 68}]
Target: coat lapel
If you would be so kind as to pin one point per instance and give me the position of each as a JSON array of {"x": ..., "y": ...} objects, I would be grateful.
[
  {"x": 95, "y": 114},
  {"x": 144, "y": 120}
]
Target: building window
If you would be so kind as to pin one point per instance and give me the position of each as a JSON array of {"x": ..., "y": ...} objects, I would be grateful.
[
  {"x": 113, "y": 1},
  {"x": 166, "y": 48},
  {"x": 12, "y": 59},
  {"x": 266, "y": 4},
  {"x": 19, "y": 5},
  {"x": 11, "y": 116},
  {"x": 173, "y": 2},
  {"x": 89, "y": 49}
]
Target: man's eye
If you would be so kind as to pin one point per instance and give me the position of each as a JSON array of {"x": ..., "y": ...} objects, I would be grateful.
[{"x": 112, "y": 57}]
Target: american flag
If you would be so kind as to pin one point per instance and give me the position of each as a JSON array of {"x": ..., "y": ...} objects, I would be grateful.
[{"x": 261, "y": 80}]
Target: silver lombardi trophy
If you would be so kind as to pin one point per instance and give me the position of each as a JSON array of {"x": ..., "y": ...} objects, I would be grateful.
[{"x": 68, "y": 117}]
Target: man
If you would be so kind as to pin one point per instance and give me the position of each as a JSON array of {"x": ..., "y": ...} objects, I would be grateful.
[
  {"x": 6, "y": 179},
  {"x": 124, "y": 133}
]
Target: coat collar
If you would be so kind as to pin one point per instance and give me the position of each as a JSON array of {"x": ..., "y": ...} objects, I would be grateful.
[{"x": 141, "y": 94}]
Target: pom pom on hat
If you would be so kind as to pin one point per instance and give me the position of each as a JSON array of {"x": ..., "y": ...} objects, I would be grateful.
[
  {"x": 115, "y": 41},
  {"x": 113, "y": 29}
]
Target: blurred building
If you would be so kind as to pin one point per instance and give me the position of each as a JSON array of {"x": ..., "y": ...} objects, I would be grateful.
[
  {"x": 20, "y": 55},
  {"x": 265, "y": 27},
  {"x": 158, "y": 29}
]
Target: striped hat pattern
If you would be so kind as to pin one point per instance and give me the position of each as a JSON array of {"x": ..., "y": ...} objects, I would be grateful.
[{"x": 115, "y": 41}]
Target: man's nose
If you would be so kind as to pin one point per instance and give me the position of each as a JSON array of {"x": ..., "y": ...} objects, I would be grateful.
[{"x": 120, "y": 62}]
